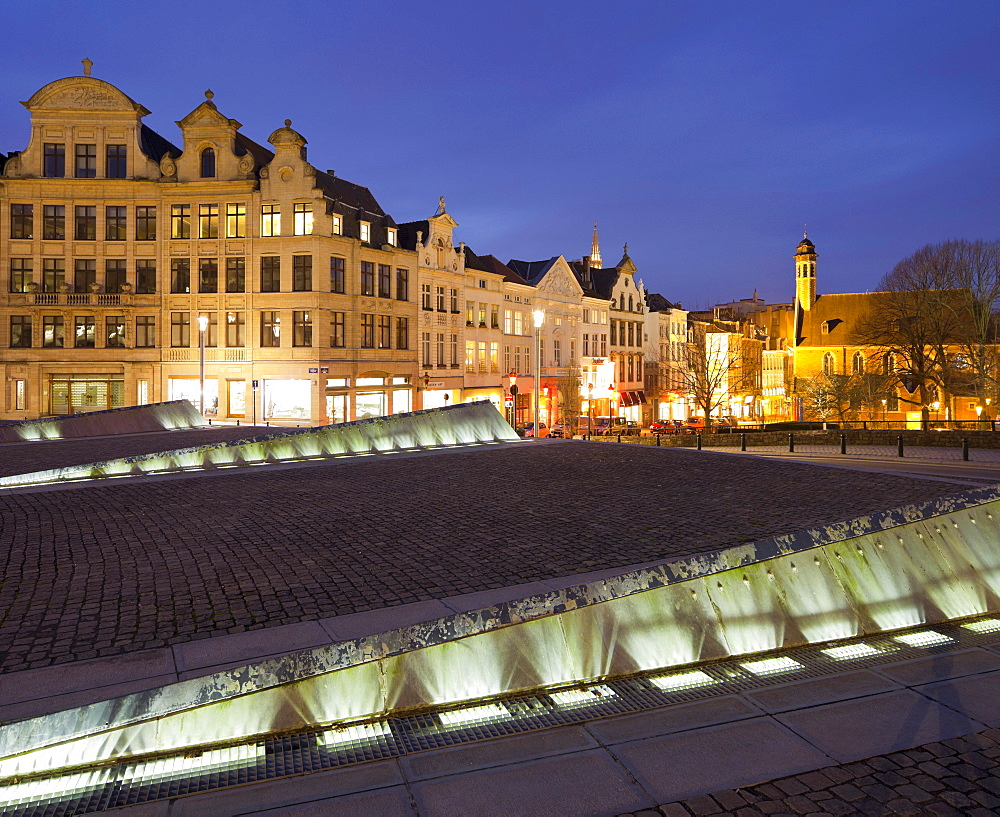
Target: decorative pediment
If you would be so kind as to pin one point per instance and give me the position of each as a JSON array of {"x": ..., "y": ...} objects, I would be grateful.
[
  {"x": 559, "y": 280},
  {"x": 207, "y": 115},
  {"x": 82, "y": 93}
]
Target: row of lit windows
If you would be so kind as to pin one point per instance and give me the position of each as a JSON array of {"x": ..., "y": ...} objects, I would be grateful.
[
  {"x": 84, "y": 161},
  {"x": 377, "y": 331},
  {"x": 595, "y": 345},
  {"x": 626, "y": 333},
  {"x": 206, "y": 276}
]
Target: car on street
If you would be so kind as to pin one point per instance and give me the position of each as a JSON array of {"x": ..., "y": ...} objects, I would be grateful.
[
  {"x": 667, "y": 427},
  {"x": 529, "y": 430}
]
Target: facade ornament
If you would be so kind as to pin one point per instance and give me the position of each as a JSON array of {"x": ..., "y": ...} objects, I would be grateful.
[
  {"x": 87, "y": 65},
  {"x": 209, "y": 95},
  {"x": 441, "y": 208},
  {"x": 420, "y": 237}
]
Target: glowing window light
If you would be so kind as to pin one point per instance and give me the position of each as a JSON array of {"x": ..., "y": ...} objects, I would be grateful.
[
  {"x": 366, "y": 732},
  {"x": 771, "y": 666},
  {"x": 457, "y": 717},
  {"x": 851, "y": 651},
  {"x": 685, "y": 680},
  {"x": 987, "y": 625},
  {"x": 927, "y": 639},
  {"x": 583, "y": 697}
]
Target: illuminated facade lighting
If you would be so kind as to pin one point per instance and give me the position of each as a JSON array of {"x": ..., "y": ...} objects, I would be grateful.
[
  {"x": 684, "y": 680},
  {"x": 851, "y": 651},
  {"x": 582, "y": 697},
  {"x": 987, "y": 625},
  {"x": 458, "y": 717},
  {"x": 771, "y": 666},
  {"x": 925, "y": 639}
]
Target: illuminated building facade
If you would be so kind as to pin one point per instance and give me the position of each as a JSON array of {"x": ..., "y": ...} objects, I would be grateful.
[{"x": 118, "y": 245}]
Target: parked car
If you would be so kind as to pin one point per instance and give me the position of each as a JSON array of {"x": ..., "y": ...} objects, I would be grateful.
[
  {"x": 558, "y": 430},
  {"x": 667, "y": 427},
  {"x": 529, "y": 430}
]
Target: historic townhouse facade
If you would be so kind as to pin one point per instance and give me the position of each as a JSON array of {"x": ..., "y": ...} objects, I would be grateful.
[{"x": 130, "y": 261}]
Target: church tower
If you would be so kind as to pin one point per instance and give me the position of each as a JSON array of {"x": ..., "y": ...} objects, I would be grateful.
[
  {"x": 805, "y": 274},
  {"x": 595, "y": 251}
]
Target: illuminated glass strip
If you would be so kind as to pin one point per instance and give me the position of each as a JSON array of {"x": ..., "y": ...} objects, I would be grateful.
[
  {"x": 150, "y": 770},
  {"x": 851, "y": 651},
  {"x": 925, "y": 639},
  {"x": 65, "y": 787},
  {"x": 987, "y": 625},
  {"x": 353, "y": 734},
  {"x": 458, "y": 717},
  {"x": 771, "y": 666},
  {"x": 685, "y": 680},
  {"x": 583, "y": 697}
]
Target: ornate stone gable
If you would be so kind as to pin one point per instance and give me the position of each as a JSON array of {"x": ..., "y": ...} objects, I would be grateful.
[
  {"x": 559, "y": 280},
  {"x": 81, "y": 93}
]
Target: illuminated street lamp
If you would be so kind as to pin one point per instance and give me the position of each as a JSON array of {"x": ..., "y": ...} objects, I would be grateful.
[
  {"x": 590, "y": 410},
  {"x": 539, "y": 317},
  {"x": 202, "y": 326}
]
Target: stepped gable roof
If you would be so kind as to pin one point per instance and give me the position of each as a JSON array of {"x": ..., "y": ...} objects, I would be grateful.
[
  {"x": 261, "y": 155},
  {"x": 349, "y": 194},
  {"x": 154, "y": 145},
  {"x": 532, "y": 271},
  {"x": 657, "y": 303}
]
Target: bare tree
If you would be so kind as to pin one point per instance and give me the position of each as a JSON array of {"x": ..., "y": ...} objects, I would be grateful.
[
  {"x": 570, "y": 399},
  {"x": 832, "y": 395},
  {"x": 719, "y": 364}
]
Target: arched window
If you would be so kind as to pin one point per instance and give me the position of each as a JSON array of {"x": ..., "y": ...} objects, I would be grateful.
[
  {"x": 888, "y": 363},
  {"x": 208, "y": 163},
  {"x": 858, "y": 363},
  {"x": 829, "y": 364}
]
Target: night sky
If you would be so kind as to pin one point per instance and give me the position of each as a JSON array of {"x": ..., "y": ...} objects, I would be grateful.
[{"x": 703, "y": 133}]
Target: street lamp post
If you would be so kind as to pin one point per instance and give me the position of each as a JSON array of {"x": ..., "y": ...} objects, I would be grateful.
[
  {"x": 590, "y": 410},
  {"x": 539, "y": 317},
  {"x": 202, "y": 326}
]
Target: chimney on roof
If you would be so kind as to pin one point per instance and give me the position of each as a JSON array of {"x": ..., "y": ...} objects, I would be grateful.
[
  {"x": 332, "y": 172},
  {"x": 586, "y": 272}
]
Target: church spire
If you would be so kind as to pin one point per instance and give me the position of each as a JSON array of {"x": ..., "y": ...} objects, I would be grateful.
[{"x": 595, "y": 251}]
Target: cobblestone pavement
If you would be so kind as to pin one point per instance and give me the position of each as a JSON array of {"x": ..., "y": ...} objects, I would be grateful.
[
  {"x": 141, "y": 563},
  {"x": 959, "y": 777},
  {"x": 22, "y": 458}
]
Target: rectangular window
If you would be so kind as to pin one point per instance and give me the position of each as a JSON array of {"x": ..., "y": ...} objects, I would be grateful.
[
  {"x": 236, "y": 325},
  {"x": 402, "y": 333},
  {"x": 145, "y": 223},
  {"x": 453, "y": 350},
  {"x": 441, "y": 362},
  {"x": 114, "y": 275},
  {"x": 302, "y": 219},
  {"x": 115, "y": 223},
  {"x": 84, "y": 275},
  {"x": 302, "y": 329},
  {"x": 507, "y": 322},
  {"x": 614, "y": 333},
  {"x": 86, "y": 161},
  {"x": 86, "y": 330},
  {"x": 425, "y": 348},
  {"x": 114, "y": 331},
  {"x": 336, "y": 274},
  {"x": 142, "y": 392},
  {"x": 482, "y": 314},
  {"x": 20, "y": 331},
  {"x": 180, "y": 221},
  {"x": 145, "y": 331},
  {"x": 494, "y": 316},
  {"x": 302, "y": 273},
  {"x": 86, "y": 223},
  {"x": 211, "y": 329},
  {"x": 482, "y": 355},
  {"x": 402, "y": 284},
  {"x": 116, "y": 165},
  {"x": 365, "y": 231},
  {"x": 22, "y": 221},
  {"x": 21, "y": 274},
  {"x": 338, "y": 225},
  {"x": 384, "y": 281},
  {"x": 367, "y": 278},
  {"x": 270, "y": 273},
  {"x": 367, "y": 331},
  {"x": 453, "y": 297},
  {"x": 20, "y": 394},
  {"x": 439, "y": 298},
  {"x": 236, "y": 221},
  {"x": 180, "y": 275},
  {"x": 180, "y": 329},
  {"x": 208, "y": 275},
  {"x": 53, "y": 332},
  {"x": 494, "y": 356},
  {"x": 54, "y": 165},
  {"x": 208, "y": 221},
  {"x": 470, "y": 356},
  {"x": 425, "y": 296},
  {"x": 270, "y": 329},
  {"x": 384, "y": 338},
  {"x": 236, "y": 275},
  {"x": 337, "y": 337},
  {"x": 53, "y": 222},
  {"x": 557, "y": 352},
  {"x": 53, "y": 274},
  {"x": 390, "y": 236},
  {"x": 270, "y": 220}
]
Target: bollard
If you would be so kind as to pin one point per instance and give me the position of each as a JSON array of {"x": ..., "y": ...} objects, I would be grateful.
[
  {"x": 743, "y": 442},
  {"x": 791, "y": 443},
  {"x": 210, "y": 421},
  {"x": 657, "y": 439},
  {"x": 619, "y": 438},
  {"x": 899, "y": 445},
  {"x": 237, "y": 422},
  {"x": 843, "y": 443},
  {"x": 699, "y": 441},
  {"x": 965, "y": 448}
]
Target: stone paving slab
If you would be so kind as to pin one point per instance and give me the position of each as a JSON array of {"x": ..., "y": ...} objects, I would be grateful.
[{"x": 141, "y": 564}]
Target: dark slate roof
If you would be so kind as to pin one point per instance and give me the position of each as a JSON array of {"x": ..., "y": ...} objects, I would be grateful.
[
  {"x": 657, "y": 303},
  {"x": 261, "y": 155},
  {"x": 490, "y": 263},
  {"x": 154, "y": 145},
  {"x": 604, "y": 281},
  {"x": 408, "y": 233},
  {"x": 531, "y": 271},
  {"x": 351, "y": 195},
  {"x": 839, "y": 312},
  {"x": 584, "y": 277}
]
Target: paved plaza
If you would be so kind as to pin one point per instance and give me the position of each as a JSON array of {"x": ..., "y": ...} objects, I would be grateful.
[{"x": 127, "y": 584}]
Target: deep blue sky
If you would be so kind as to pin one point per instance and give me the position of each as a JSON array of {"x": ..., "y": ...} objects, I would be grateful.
[{"x": 703, "y": 133}]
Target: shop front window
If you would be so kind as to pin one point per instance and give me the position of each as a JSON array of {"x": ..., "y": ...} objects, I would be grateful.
[
  {"x": 287, "y": 399},
  {"x": 370, "y": 404},
  {"x": 189, "y": 388}
]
